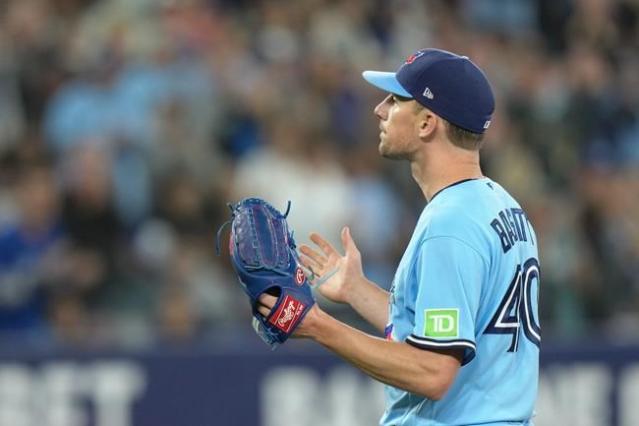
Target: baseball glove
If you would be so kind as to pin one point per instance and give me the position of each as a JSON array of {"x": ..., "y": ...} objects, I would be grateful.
[{"x": 264, "y": 256}]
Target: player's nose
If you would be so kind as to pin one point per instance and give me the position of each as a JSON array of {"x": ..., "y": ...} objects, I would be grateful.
[{"x": 381, "y": 110}]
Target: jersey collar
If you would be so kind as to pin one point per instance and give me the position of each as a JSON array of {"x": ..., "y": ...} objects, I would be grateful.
[{"x": 451, "y": 185}]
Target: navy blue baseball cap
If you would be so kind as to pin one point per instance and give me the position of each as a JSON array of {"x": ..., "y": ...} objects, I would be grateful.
[{"x": 450, "y": 85}]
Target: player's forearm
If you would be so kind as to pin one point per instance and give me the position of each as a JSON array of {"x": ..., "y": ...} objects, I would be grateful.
[
  {"x": 371, "y": 302},
  {"x": 394, "y": 363}
]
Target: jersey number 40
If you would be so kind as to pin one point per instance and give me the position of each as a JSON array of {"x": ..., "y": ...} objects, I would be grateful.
[{"x": 515, "y": 312}]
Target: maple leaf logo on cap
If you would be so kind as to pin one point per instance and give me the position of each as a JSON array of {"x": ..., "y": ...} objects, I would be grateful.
[{"x": 414, "y": 56}]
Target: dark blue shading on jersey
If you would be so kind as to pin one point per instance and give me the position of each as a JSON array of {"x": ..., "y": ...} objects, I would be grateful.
[{"x": 421, "y": 342}]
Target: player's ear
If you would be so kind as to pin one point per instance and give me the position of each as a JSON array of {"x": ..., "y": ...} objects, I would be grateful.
[{"x": 427, "y": 122}]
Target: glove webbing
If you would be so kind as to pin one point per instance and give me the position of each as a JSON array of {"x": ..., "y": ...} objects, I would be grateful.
[{"x": 257, "y": 262}]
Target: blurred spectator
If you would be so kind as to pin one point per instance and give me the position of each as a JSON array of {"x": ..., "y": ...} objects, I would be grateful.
[
  {"x": 25, "y": 247},
  {"x": 291, "y": 168},
  {"x": 94, "y": 229}
]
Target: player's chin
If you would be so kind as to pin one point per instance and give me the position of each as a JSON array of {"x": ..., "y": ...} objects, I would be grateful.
[
  {"x": 383, "y": 147},
  {"x": 387, "y": 152}
]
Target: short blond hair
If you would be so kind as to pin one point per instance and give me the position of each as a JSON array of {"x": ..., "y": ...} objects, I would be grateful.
[
  {"x": 463, "y": 138},
  {"x": 459, "y": 137}
]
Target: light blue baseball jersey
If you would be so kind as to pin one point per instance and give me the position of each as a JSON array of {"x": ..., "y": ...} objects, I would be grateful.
[{"x": 469, "y": 279}]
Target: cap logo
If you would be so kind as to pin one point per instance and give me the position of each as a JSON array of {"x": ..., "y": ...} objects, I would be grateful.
[
  {"x": 428, "y": 93},
  {"x": 414, "y": 56},
  {"x": 487, "y": 124}
]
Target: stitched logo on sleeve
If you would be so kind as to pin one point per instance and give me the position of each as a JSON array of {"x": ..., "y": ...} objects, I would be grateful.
[
  {"x": 388, "y": 332},
  {"x": 287, "y": 314},
  {"x": 441, "y": 322}
]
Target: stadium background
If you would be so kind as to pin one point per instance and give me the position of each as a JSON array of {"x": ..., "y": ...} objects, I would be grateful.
[{"x": 126, "y": 126}]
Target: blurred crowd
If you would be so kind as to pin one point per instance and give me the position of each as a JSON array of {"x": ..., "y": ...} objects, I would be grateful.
[{"x": 127, "y": 125}]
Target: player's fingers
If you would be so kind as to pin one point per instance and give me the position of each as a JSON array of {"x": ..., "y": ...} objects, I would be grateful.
[
  {"x": 326, "y": 247},
  {"x": 267, "y": 301},
  {"x": 311, "y": 275},
  {"x": 314, "y": 255},
  {"x": 347, "y": 240},
  {"x": 263, "y": 310},
  {"x": 310, "y": 263}
]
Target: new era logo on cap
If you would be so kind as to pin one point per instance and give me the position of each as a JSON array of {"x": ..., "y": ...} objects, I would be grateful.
[{"x": 427, "y": 93}]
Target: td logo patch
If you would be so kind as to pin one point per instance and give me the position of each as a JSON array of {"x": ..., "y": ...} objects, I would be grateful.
[{"x": 441, "y": 322}]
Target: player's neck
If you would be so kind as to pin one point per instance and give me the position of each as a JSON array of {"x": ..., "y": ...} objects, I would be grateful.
[{"x": 434, "y": 173}]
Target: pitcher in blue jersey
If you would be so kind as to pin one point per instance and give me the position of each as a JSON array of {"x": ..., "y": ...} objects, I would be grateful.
[{"x": 461, "y": 320}]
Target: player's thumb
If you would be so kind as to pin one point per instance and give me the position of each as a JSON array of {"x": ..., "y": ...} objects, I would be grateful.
[{"x": 348, "y": 242}]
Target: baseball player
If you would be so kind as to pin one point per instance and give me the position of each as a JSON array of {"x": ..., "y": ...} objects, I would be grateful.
[{"x": 461, "y": 323}]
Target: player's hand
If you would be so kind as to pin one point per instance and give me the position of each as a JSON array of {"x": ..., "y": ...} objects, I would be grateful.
[
  {"x": 304, "y": 329},
  {"x": 334, "y": 273}
]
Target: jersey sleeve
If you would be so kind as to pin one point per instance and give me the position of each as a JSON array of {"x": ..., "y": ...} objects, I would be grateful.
[{"x": 449, "y": 274}]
